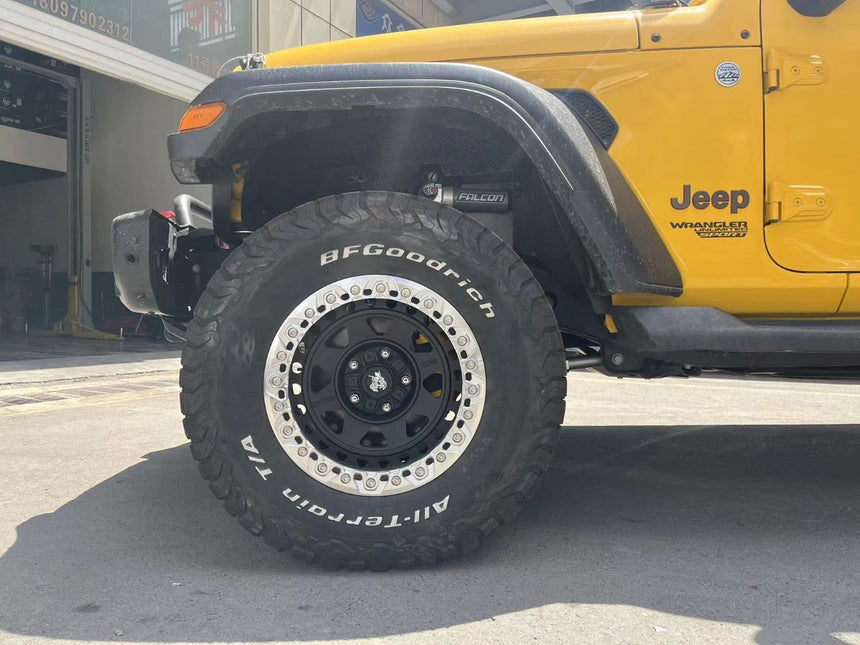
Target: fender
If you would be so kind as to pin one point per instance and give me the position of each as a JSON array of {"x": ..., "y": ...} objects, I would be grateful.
[{"x": 599, "y": 209}]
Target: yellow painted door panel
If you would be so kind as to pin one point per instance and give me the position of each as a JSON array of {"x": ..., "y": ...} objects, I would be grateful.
[
  {"x": 813, "y": 138},
  {"x": 679, "y": 127},
  {"x": 851, "y": 304}
]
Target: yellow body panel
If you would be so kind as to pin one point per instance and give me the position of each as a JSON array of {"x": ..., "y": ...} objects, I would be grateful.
[
  {"x": 813, "y": 136},
  {"x": 679, "y": 127},
  {"x": 465, "y": 43},
  {"x": 715, "y": 23}
]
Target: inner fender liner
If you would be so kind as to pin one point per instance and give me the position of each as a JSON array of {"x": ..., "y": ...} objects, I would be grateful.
[{"x": 621, "y": 242}]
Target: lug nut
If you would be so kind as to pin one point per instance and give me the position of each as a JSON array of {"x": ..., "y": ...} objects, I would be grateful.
[
  {"x": 386, "y": 407},
  {"x": 353, "y": 365},
  {"x": 354, "y": 398},
  {"x": 385, "y": 352},
  {"x": 405, "y": 379}
]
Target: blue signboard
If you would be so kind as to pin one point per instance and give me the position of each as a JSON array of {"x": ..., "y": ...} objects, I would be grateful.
[{"x": 373, "y": 17}]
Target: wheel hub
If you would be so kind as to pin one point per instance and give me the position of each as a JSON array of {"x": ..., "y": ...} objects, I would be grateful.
[
  {"x": 374, "y": 385},
  {"x": 377, "y": 381}
]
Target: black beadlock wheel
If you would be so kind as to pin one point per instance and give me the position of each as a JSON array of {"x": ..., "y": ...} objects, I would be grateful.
[{"x": 373, "y": 380}]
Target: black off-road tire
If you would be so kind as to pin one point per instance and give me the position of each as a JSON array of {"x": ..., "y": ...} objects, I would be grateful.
[{"x": 231, "y": 336}]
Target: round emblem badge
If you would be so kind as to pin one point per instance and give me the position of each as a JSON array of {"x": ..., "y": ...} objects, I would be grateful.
[{"x": 728, "y": 74}]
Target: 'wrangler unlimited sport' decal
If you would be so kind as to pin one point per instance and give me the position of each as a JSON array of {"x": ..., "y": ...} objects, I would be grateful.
[{"x": 714, "y": 229}]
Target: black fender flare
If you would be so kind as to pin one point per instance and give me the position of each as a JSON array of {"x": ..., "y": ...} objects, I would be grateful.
[{"x": 601, "y": 211}]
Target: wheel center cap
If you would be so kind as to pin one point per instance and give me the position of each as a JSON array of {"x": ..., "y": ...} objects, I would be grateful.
[{"x": 377, "y": 381}]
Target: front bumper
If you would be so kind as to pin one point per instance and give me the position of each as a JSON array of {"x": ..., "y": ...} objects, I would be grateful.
[{"x": 162, "y": 260}]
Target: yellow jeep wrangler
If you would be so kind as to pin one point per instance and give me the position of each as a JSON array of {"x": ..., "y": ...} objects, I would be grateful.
[{"x": 415, "y": 236}]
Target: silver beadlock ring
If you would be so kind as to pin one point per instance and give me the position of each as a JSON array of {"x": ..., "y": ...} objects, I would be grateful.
[{"x": 283, "y": 419}]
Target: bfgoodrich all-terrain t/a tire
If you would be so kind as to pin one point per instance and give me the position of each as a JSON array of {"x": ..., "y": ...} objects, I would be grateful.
[{"x": 373, "y": 380}]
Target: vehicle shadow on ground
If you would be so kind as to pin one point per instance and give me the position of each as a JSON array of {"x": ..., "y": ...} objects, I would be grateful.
[{"x": 756, "y": 525}]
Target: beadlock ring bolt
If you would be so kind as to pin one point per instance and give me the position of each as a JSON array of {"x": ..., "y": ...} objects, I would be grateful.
[
  {"x": 292, "y": 332},
  {"x": 309, "y": 313},
  {"x": 371, "y": 484},
  {"x": 396, "y": 481},
  {"x": 420, "y": 472},
  {"x": 457, "y": 438},
  {"x": 354, "y": 398},
  {"x": 276, "y": 380},
  {"x": 353, "y": 365},
  {"x": 344, "y": 478},
  {"x": 322, "y": 469},
  {"x": 303, "y": 452}
]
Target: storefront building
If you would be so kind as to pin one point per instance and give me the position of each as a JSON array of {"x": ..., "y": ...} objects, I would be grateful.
[{"x": 89, "y": 91}]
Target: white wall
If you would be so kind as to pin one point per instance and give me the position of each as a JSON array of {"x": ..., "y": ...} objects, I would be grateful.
[
  {"x": 129, "y": 167},
  {"x": 32, "y": 149},
  {"x": 33, "y": 212}
]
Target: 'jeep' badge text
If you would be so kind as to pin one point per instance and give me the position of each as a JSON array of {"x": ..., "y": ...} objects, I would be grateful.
[{"x": 737, "y": 200}]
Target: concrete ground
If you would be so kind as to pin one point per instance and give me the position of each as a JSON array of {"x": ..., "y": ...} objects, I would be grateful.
[{"x": 701, "y": 511}]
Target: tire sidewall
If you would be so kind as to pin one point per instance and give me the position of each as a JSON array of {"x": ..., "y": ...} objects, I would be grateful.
[{"x": 282, "y": 276}]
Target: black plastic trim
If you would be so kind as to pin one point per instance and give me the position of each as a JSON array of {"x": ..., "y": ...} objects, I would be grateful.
[
  {"x": 706, "y": 329},
  {"x": 552, "y": 137},
  {"x": 815, "y": 8},
  {"x": 592, "y": 113}
]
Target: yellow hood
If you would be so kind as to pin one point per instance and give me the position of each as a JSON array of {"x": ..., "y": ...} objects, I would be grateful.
[{"x": 531, "y": 37}]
